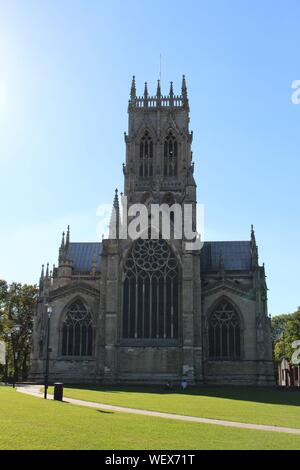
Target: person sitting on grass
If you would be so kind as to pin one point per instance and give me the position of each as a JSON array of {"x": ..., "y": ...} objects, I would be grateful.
[{"x": 184, "y": 385}]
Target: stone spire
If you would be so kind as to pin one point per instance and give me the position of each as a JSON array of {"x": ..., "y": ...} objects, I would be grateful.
[
  {"x": 47, "y": 271},
  {"x": 133, "y": 90},
  {"x": 184, "y": 91},
  {"x": 158, "y": 91},
  {"x": 62, "y": 249},
  {"x": 254, "y": 250},
  {"x": 146, "y": 94},
  {"x": 114, "y": 225},
  {"x": 62, "y": 240},
  {"x": 41, "y": 283},
  {"x": 68, "y": 236}
]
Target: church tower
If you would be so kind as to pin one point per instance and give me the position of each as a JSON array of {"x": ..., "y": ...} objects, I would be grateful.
[
  {"x": 159, "y": 164},
  {"x": 157, "y": 317}
]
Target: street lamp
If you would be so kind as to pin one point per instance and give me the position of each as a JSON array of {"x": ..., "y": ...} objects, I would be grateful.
[
  {"x": 15, "y": 332},
  {"x": 49, "y": 313}
]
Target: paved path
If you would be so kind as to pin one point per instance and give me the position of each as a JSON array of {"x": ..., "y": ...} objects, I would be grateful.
[{"x": 34, "y": 390}]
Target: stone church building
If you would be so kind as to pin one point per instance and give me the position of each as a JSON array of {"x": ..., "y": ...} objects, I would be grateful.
[{"x": 151, "y": 311}]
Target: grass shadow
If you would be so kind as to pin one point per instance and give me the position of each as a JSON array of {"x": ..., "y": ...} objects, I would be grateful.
[
  {"x": 106, "y": 412},
  {"x": 268, "y": 395}
]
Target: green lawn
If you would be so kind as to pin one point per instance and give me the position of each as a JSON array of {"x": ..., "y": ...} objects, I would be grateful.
[
  {"x": 249, "y": 405},
  {"x": 32, "y": 423}
]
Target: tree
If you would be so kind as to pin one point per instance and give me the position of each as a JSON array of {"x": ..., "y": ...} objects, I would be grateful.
[
  {"x": 285, "y": 330},
  {"x": 3, "y": 298},
  {"x": 17, "y": 306}
]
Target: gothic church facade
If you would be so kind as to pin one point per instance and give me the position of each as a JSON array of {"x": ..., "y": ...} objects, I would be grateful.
[{"x": 151, "y": 311}]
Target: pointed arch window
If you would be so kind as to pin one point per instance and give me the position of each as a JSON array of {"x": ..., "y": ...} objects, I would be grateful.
[
  {"x": 146, "y": 156},
  {"x": 77, "y": 331},
  {"x": 224, "y": 333},
  {"x": 150, "y": 292},
  {"x": 170, "y": 156}
]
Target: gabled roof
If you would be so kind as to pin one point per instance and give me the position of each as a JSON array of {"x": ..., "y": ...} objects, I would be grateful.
[
  {"x": 82, "y": 255},
  {"x": 235, "y": 255}
]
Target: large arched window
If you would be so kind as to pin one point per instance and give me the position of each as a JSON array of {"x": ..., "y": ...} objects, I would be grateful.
[
  {"x": 146, "y": 156},
  {"x": 224, "y": 333},
  {"x": 77, "y": 331},
  {"x": 170, "y": 155},
  {"x": 150, "y": 292}
]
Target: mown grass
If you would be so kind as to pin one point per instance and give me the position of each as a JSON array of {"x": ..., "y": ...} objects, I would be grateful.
[
  {"x": 32, "y": 423},
  {"x": 249, "y": 405}
]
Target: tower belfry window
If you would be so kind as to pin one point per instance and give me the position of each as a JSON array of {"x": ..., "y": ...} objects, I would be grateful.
[
  {"x": 146, "y": 156},
  {"x": 170, "y": 155}
]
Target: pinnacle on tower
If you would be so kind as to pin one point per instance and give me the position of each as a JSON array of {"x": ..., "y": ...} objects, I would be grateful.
[
  {"x": 68, "y": 236},
  {"x": 114, "y": 225},
  {"x": 171, "y": 90},
  {"x": 158, "y": 91},
  {"x": 41, "y": 283},
  {"x": 62, "y": 240},
  {"x": 64, "y": 245},
  {"x": 133, "y": 89},
  {"x": 183, "y": 87},
  {"x": 146, "y": 94},
  {"x": 254, "y": 250}
]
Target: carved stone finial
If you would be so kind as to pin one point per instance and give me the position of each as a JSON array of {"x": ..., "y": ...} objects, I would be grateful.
[{"x": 133, "y": 90}]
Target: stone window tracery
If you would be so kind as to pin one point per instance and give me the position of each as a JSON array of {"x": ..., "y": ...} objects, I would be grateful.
[
  {"x": 150, "y": 292},
  {"x": 224, "y": 333},
  {"x": 77, "y": 331}
]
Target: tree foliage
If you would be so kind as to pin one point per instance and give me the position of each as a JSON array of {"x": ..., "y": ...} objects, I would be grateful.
[
  {"x": 285, "y": 330},
  {"x": 17, "y": 306}
]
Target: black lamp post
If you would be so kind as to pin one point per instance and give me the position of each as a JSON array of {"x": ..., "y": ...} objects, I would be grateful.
[
  {"x": 14, "y": 342},
  {"x": 49, "y": 313}
]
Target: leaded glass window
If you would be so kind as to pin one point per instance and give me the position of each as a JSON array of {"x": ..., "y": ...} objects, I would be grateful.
[
  {"x": 150, "y": 292},
  {"x": 224, "y": 333},
  {"x": 77, "y": 331}
]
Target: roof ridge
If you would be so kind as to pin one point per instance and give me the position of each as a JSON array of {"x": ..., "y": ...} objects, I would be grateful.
[
  {"x": 226, "y": 241},
  {"x": 85, "y": 243}
]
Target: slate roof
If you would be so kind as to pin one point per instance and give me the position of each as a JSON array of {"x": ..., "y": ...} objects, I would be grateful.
[
  {"x": 236, "y": 255},
  {"x": 81, "y": 254}
]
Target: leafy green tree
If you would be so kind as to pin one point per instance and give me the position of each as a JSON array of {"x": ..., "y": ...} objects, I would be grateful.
[
  {"x": 17, "y": 306},
  {"x": 285, "y": 330},
  {"x": 3, "y": 297}
]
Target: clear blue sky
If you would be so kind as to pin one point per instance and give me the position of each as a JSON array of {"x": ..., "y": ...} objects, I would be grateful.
[{"x": 65, "y": 71}]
